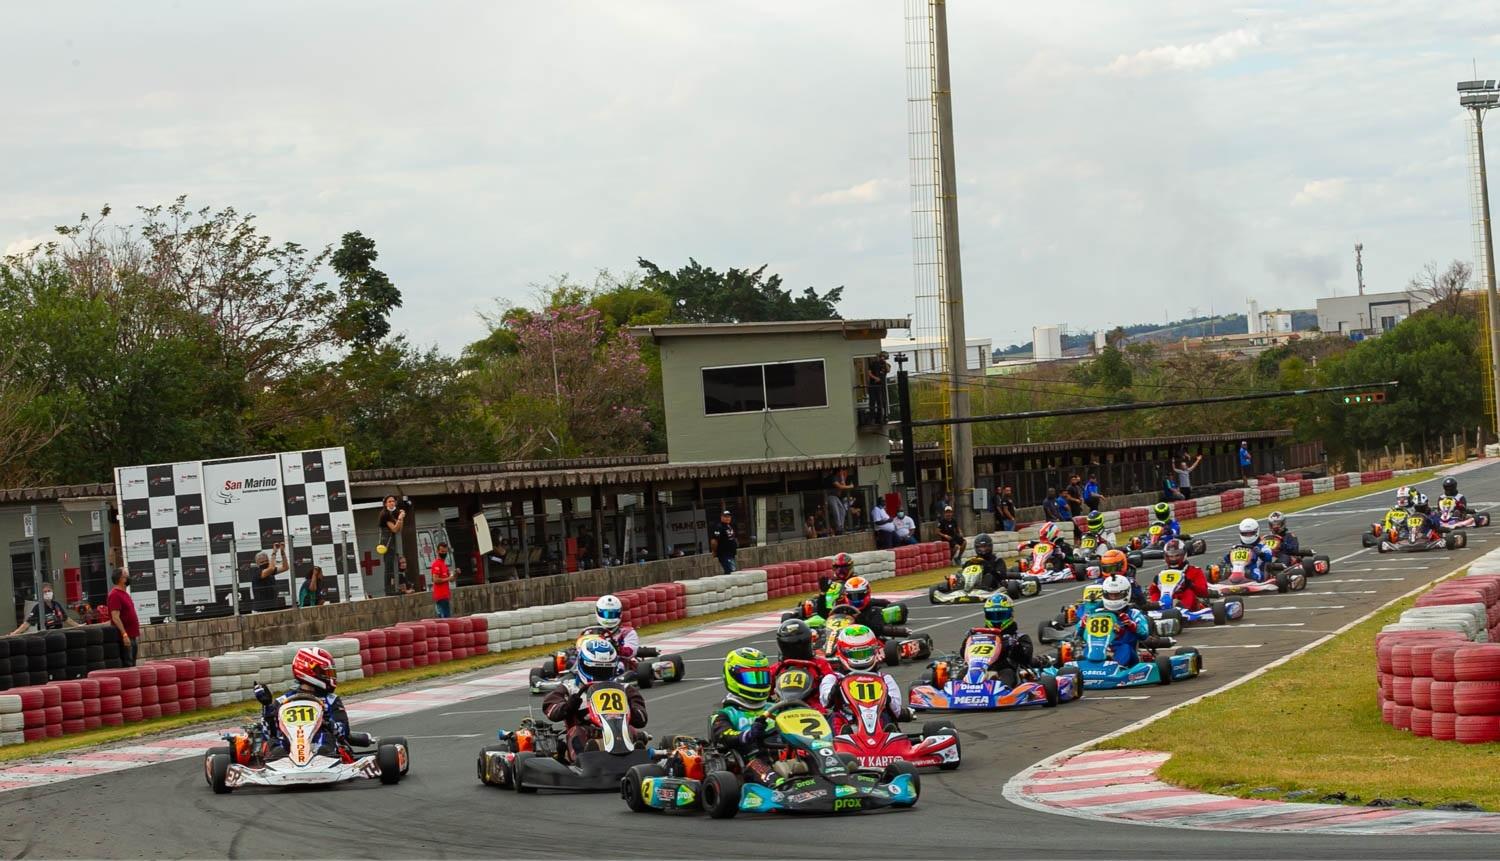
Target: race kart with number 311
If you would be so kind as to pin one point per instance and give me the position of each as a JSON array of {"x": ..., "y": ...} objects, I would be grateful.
[{"x": 313, "y": 754}]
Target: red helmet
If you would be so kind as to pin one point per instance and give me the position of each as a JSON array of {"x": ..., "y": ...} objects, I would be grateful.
[
  {"x": 314, "y": 667},
  {"x": 857, "y": 592},
  {"x": 843, "y": 566},
  {"x": 1049, "y": 533}
]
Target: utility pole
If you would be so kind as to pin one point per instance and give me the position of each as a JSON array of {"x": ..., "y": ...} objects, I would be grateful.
[
  {"x": 1359, "y": 265},
  {"x": 958, "y": 352},
  {"x": 1478, "y": 97}
]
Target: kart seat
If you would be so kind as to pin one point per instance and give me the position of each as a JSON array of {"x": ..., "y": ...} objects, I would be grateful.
[{"x": 789, "y": 768}]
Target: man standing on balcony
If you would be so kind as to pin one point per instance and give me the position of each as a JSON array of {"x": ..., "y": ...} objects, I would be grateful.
[{"x": 876, "y": 371}]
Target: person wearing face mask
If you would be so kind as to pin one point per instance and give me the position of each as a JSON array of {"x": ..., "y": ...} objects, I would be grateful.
[{"x": 47, "y": 615}]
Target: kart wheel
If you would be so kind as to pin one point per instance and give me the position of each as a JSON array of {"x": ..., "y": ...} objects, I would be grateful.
[
  {"x": 1198, "y": 547},
  {"x": 401, "y": 740},
  {"x": 892, "y": 653},
  {"x": 1221, "y": 616},
  {"x": 1049, "y": 686},
  {"x": 1482, "y": 520},
  {"x": 389, "y": 760},
  {"x": 679, "y": 668},
  {"x": 932, "y": 595},
  {"x": 515, "y": 772},
  {"x": 898, "y": 768},
  {"x": 644, "y": 677},
  {"x": 1283, "y": 582},
  {"x": 1077, "y": 675},
  {"x": 1013, "y": 589},
  {"x": 788, "y": 615},
  {"x": 534, "y": 680},
  {"x": 1164, "y": 669},
  {"x": 721, "y": 795},
  {"x": 630, "y": 785},
  {"x": 1078, "y": 572},
  {"x": 484, "y": 763},
  {"x": 925, "y": 651},
  {"x": 1367, "y": 540},
  {"x": 216, "y": 769},
  {"x": 1044, "y": 633},
  {"x": 1321, "y": 564},
  {"x": 1197, "y": 656}
]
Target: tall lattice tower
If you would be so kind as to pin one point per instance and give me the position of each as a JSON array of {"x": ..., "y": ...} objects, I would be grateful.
[{"x": 1478, "y": 202}]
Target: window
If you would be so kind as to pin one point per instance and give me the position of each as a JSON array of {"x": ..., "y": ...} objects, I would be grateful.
[{"x": 754, "y": 388}]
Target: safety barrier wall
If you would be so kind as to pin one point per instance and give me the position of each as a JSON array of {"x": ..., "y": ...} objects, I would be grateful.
[{"x": 1439, "y": 667}]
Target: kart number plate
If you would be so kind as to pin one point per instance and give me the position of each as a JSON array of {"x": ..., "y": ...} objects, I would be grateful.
[
  {"x": 1239, "y": 554},
  {"x": 1155, "y": 531},
  {"x": 1169, "y": 577},
  {"x": 1042, "y": 549},
  {"x": 795, "y": 679},
  {"x": 973, "y": 570},
  {"x": 803, "y": 722},
  {"x": 865, "y": 690},
  {"x": 609, "y": 702},
  {"x": 981, "y": 650},
  {"x": 1101, "y": 625},
  {"x": 1414, "y": 522}
]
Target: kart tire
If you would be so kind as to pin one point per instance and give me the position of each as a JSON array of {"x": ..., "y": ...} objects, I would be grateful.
[
  {"x": 892, "y": 653},
  {"x": 1164, "y": 669},
  {"x": 1189, "y": 650},
  {"x": 534, "y": 679},
  {"x": 1045, "y": 635},
  {"x": 216, "y": 769},
  {"x": 932, "y": 595},
  {"x": 515, "y": 772},
  {"x": 721, "y": 795},
  {"x": 789, "y": 615},
  {"x": 1283, "y": 582},
  {"x": 945, "y": 727},
  {"x": 401, "y": 740},
  {"x": 644, "y": 677},
  {"x": 1221, "y": 616},
  {"x": 1079, "y": 572},
  {"x": 679, "y": 668},
  {"x": 1368, "y": 540},
  {"x": 1482, "y": 520},
  {"x": 483, "y": 764},
  {"x": 630, "y": 785},
  {"x": 1049, "y": 687},
  {"x": 1077, "y": 675},
  {"x": 389, "y": 760},
  {"x": 925, "y": 651},
  {"x": 898, "y": 768},
  {"x": 1198, "y": 547},
  {"x": 1013, "y": 589}
]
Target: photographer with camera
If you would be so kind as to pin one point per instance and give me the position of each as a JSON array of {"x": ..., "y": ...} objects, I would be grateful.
[
  {"x": 267, "y": 566},
  {"x": 392, "y": 521}
]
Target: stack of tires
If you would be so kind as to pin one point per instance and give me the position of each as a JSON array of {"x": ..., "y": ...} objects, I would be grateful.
[{"x": 12, "y": 720}]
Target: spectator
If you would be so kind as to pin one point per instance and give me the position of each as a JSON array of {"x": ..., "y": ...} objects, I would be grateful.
[
  {"x": 1169, "y": 489},
  {"x": 47, "y": 615},
  {"x": 941, "y": 503},
  {"x": 392, "y": 521},
  {"x": 838, "y": 488},
  {"x": 267, "y": 566},
  {"x": 311, "y": 593},
  {"x": 875, "y": 373},
  {"x": 722, "y": 543},
  {"x": 1053, "y": 508},
  {"x": 1245, "y": 461},
  {"x": 906, "y": 528},
  {"x": 885, "y": 527},
  {"x": 442, "y": 578},
  {"x": 948, "y": 527},
  {"x": 854, "y": 515},
  {"x": 1004, "y": 507},
  {"x": 401, "y": 574},
  {"x": 1073, "y": 493},
  {"x": 406, "y": 589},
  {"x": 1093, "y": 500},
  {"x": 1183, "y": 471},
  {"x": 642, "y": 556},
  {"x": 810, "y": 529},
  {"x": 122, "y": 615}
]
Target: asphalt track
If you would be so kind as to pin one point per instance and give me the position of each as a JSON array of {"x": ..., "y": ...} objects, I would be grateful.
[{"x": 440, "y": 810}]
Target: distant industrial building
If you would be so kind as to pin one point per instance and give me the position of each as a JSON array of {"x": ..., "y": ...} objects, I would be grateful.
[
  {"x": 1367, "y": 314},
  {"x": 1046, "y": 343}
]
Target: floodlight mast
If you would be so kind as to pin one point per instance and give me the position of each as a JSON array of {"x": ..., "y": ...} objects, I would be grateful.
[{"x": 1476, "y": 97}]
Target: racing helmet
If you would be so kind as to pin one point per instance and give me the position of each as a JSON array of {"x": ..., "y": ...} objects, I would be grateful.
[
  {"x": 1116, "y": 593},
  {"x": 858, "y": 648},
  {"x": 1249, "y": 530},
  {"x": 608, "y": 611},
  {"x": 843, "y": 567},
  {"x": 999, "y": 612},
  {"x": 1095, "y": 521},
  {"x": 984, "y": 545},
  {"x": 314, "y": 667},
  {"x": 857, "y": 592},
  {"x": 1450, "y": 486},
  {"x": 1092, "y": 594},
  {"x": 1419, "y": 501},
  {"x": 795, "y": 640},
  {"x": 1049, "y": 532},
  {"x": 747, "y": 676},
  {"x": 1113, "y": 563},
  {"x": 597, "y": 660},
  {"x": 1277, "y": 522},
  {"x": 1174, "y": 553},
  {"x": 1163, "y": 511},
  {"x": 1403, "y": 497}
]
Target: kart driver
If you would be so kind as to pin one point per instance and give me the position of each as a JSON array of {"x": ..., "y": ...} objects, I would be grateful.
[
  {"x": 1115, "y": 563},
  {"x": 1461, "y": 502},
  {"x": 313, "y": 670},
  {"x": 1290, "y": 547},
  {"x": 740, "y": 723},
  {"x": 984, "y": 556},
  {"x": 1170, "y": 527},
  {"x": 860, "y": 652},
  {"x": 1052, "y": 534},
  {"x": 1250, "y": 537},
  {"x": 1131, "y": 625},
  {"x": 870, "y": 610},
  {"x": 608, "y": 614},
  {"x": 1093, "y": 527},
  {"x": 1193, "y": 592},
  {"x": 1016, "y": 651},
  {"x": 794, "y": 639},
  {"x": 1431, "y": 526},
  {"x": 597, "y": 662},
  {"x": 831, "y": 589}
]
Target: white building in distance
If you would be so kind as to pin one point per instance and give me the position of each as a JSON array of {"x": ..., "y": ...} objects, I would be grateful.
[{"x": 1368, "y": 313}]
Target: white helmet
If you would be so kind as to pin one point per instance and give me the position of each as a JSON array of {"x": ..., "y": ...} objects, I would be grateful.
[
  {"x": 1403, "y": 497},
  {"x": 1116, "y": 592},
  {"x": 1249, "y": 530},
  {"x": 608, "y": 612}
]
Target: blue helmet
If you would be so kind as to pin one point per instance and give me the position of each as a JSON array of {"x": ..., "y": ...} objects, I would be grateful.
[
  {"x": 597, "y": 660},
  {"x": 999, "y": 612}
]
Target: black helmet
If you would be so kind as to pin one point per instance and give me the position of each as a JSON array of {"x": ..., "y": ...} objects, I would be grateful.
[
  {"x": 794, "y": 639},
  {"x": 984, "y": 545},
  {"x": 1450, "y": 486}
]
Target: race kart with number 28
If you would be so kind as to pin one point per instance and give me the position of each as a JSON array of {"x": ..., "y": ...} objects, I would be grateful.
[
  {"x": 647, "y": 667},
  {"x": 534, "y": 756}
]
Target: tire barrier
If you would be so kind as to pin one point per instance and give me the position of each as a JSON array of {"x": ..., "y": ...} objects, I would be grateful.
[{"x": 1439, "y": 663}]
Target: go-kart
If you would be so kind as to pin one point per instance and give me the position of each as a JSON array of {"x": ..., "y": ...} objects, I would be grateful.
[
  {"x": 534, "y": 755},
  {"x": 1042, "y": 561},
  {"x": 979, "y": 688},
  {"x": 645, "y": 668},
  {"x": 1450, "y": 517},
  {"x": 813, "y": 608},
  {"x": 1413, "y": 536},
  {"x": 866, "y": 732},
  {"x": 1215, "y": 612},
  {"x": 1064, "y": 626},
  {"x": 962, "y": 587},
  {"x": 1395, "y": 519},
  {"x": 312, "y": 755},
  {"x": 1150, "y": 544},
  {"x": 896, "y": 650},
  {"x": 1311, "y": 562},
  {"x": 1092, "y": 659},
  {"x": 1241, "y": 577},
  {"x": 811, "y": 776}
]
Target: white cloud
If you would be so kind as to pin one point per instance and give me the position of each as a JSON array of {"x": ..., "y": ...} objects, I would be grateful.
[
  {"x": 1320, "y": 191},
  {"x": 24, "y": 244},
  {"x": 869, "y": 191},
  {"x": 1194, "y": 55}
]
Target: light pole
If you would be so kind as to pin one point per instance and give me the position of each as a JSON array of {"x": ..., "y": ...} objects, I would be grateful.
[{"x": 1476, "y": 97}]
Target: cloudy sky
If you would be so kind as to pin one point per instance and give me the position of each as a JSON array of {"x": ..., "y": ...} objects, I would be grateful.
[{"x": 1118, "y": 161}]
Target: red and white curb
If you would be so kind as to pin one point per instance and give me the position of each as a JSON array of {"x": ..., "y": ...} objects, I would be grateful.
[
  {"x": 1121, "y": 785},
  {"x": 26, "y": 774}
]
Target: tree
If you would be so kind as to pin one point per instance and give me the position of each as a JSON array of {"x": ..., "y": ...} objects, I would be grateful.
[
  {"x": 1442, "y": 291},
  {"x": 698, "y": 294},
  {"x": 369, "y": 296}
]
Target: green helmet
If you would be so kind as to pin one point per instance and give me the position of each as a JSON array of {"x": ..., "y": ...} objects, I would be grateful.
[
  {"x": 999, "y": 612},
  {"x": 747, "y": 676},
  {"x": 1163, "y": 510},
  {"x": 1095, "y": 521}
]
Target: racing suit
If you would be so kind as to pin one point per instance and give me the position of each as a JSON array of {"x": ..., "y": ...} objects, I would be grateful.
[
  {"x": 1170, "y": 529},
  {"x": 1191, "y": 595},
  {"x": 732, "y": 728},
  {"x": 1131, "y": 630},
  {"x": 832, "y": 696},
  {"x": 993, "y": 577},
  {"x": 335, "y": 716},
  {"x": 1016, "y": 651},
  {"x": 872, "y": 616},
  {"x": 1259, "y": 556},
  {"x": 564, "y": 704},
  {"x": 817, "y": 667},
  {"x": 1461, "y": 504},
  {"x": 1101, "y": 538}
]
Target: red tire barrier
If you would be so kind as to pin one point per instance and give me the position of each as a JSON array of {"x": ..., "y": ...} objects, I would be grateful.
[
  {"x": 1444, "y": 726},
  {"x": 1476, "y": 698},
  {"x": 1421, "y": 659},
  {"x": 1442, "y": 661},
  {"x": 1477, "y": 662},
  {"x": 1440, "y": 695},
  {"x": 1401, "y": 690},
  {"x": 1421, "y": 722},
  {"x": 1401, "y": 659},
  {"x": 1476, "y": 729},
  {"x": 1401, "y": 716},
  {"x": 1421, "y": 692}
]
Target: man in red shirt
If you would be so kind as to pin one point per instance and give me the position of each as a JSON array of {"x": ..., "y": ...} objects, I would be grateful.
[
  {"x": 122, "y": 615},
  {"x": 442, "y": 592}
]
